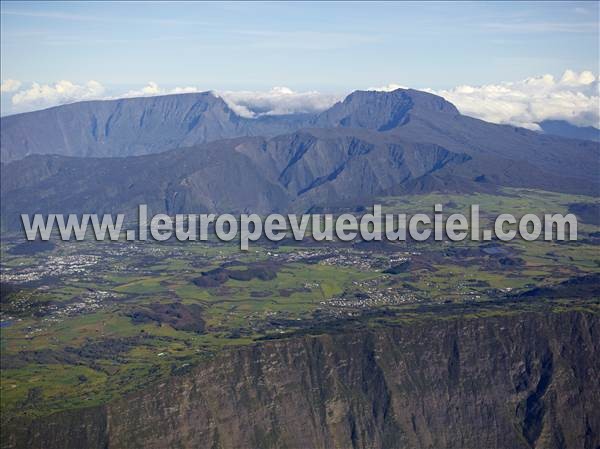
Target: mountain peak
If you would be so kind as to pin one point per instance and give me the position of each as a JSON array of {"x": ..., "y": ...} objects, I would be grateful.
[
  {"x": 384, "y": 111},
  {"x": 119, "y": 127},
  {"x": 418, "y": 99}
]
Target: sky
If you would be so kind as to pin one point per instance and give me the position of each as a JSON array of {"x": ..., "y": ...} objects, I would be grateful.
[{"x": 56, "y": 52}]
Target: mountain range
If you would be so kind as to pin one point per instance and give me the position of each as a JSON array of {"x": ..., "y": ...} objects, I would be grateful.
[
  {"x": 192, "y": 153},
  {"x": 133, "y": 126},
  {"x": 565, "y": 129}
]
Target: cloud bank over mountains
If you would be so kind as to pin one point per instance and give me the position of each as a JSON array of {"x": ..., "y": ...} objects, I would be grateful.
[
  {"x": 154, "y": 89},
  {"x": 574, "y": 97},
  {"x": 277, "y": 101},
  {"x": 9, "y": 86},
  {"x": 39, "y": 96}
]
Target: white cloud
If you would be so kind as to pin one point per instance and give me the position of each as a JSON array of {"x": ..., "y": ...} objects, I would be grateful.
[
  {"x": 277, "y": 101},
  {"x": 39, "y": 96},
  {"x": 574, "y": 97},
  {"x": 9, "y": 86},
  {"x": 152, "y": 89},
  {"x": 389, "y": 88}
]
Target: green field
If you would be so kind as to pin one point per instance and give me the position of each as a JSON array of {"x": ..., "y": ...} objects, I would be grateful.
[{"x": 87, "y": 321}]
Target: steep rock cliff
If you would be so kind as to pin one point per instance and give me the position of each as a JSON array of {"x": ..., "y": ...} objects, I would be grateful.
[{"x": 520, "y": 381}]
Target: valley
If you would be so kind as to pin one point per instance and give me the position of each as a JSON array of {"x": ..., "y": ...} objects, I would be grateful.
[
  {"x": 198, "y": 344},
  {"x": 86, "y": 322},
  {"x": 299, "y": 225}
]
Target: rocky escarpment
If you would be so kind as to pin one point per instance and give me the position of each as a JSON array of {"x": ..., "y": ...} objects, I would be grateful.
[
  {"x": 520, "y": 381},
  {"x": 132, "y": 126}
]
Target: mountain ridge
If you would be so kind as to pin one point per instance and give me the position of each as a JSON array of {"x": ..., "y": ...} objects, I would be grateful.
[
  {"x": 131, "y": 126},
  {"x": 145, "y": 125},
  {"x": 563, "y": 128},
  {"x": 370, "y": 145},
  {"x": 323, "y": 168}
]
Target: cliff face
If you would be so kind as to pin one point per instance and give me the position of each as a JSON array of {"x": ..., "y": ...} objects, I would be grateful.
[{"x": 520, "y": 381}]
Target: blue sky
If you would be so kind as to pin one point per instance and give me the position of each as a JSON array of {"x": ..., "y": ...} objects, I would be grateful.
[
  {"x": 58, "y": 52},
  {"x": 325, "y": 46}
]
